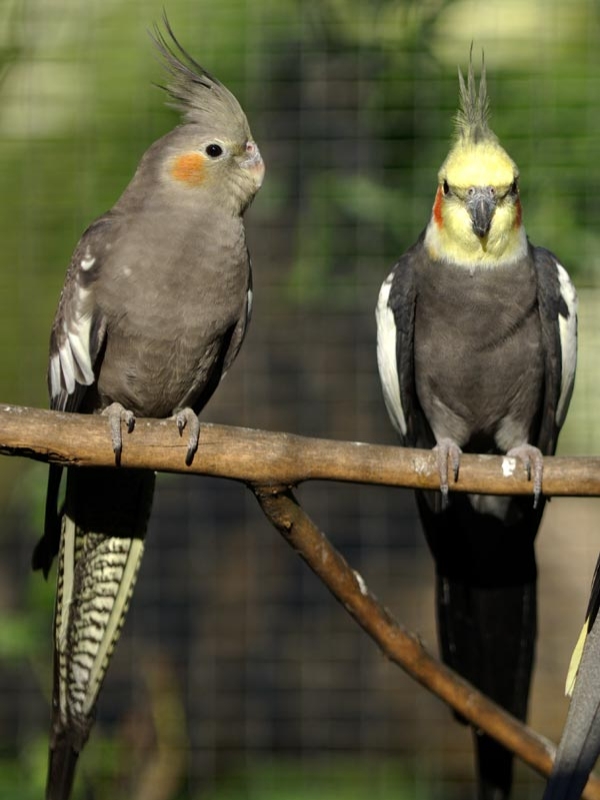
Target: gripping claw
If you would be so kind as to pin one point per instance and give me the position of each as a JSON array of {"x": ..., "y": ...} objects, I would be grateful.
[
  {"x": 532, "y": 459},
  {"x": 117, "y": 414},
  {"x": 447, "y": 449},
  {"x": 188, "y": 418}
]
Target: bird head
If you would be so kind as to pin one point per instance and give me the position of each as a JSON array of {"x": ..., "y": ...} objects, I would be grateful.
[
  {"x": 213, "y": 149},
  {"x": 476, "y": 218}
]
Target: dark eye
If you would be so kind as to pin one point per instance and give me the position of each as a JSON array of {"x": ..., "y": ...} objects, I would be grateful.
[
  {"x": 514, "y": 187},
  {"x": 214, "y": 150},
  {"x": 445, "y": 187}
]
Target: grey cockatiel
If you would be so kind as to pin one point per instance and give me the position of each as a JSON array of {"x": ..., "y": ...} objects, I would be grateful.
[
  {"x": 152, "y": 314},
  {"x": 476, "y": 351}
]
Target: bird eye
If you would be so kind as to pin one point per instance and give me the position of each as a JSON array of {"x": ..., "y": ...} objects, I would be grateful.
[
  {"x": 445, "y": 187},
  {"x": 213, "y": 150}
]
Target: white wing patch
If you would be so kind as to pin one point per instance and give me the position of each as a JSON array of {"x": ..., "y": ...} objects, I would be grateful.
[
  {"x": 88, "y": 261},
  {"x": 568, "y": 343},
  {"x": 386, "y": 357},
  {"x": 71, "y": 362}
]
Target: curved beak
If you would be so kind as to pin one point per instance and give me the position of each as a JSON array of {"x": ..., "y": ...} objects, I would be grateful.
[
  {"x": 253, "y": 162},
  {"x": 481, "y": 204}
]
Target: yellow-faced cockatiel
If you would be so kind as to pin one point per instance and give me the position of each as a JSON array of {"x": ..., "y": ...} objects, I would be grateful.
[
  {"x": 477, "y": 334},
  {"x": 152, "y": 314}
]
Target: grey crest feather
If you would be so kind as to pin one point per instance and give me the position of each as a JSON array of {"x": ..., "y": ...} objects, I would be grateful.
[
  {"x": 194, "y": 92},
  {"x": 474, "y": 112}
]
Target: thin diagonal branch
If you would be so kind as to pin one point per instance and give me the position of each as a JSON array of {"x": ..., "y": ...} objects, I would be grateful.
[{"x": 402, "y": 647}]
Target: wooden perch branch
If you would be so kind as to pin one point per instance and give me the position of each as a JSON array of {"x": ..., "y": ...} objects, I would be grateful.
[
  {"x": 265, "y": 457},
  {"x": 271, "y": 463},
  {"x": 398, "y": 644}
]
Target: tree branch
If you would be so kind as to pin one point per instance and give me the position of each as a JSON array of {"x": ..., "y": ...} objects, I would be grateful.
[
  {"x": 265, "y": 457},
  {"x": 398, "y": 644},
  {"x": 270, "y": 464}
]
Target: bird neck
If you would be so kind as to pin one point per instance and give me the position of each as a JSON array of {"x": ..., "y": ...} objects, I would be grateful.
[{"x": 459, "y": 245}]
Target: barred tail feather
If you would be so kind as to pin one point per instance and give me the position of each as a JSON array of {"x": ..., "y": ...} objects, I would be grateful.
[
  {"x": 107, "y": 583},
  {"x": 97, "y": 572}
]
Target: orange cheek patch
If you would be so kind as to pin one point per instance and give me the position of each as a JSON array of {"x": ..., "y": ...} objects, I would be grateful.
[
  {"x": 437, "y": 208},
  {"x": 189, "y": 168},
  {"x": 519, "y": 214}
]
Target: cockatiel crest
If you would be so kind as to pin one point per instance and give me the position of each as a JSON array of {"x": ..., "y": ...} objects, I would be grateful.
[
  {"x": 476, "y": 219},
  {"x": 474, "y": 112},
  {"x": 196, "y": 94},
  {"x": 212, "y": 154}
]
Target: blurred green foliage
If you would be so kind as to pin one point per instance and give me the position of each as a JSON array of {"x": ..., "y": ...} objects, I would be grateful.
[
  {"x": 347, "y": 780},
  {"x": 374, "y": 81}
]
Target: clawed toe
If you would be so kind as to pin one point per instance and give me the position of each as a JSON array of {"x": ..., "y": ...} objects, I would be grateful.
[
  {"x": 447, "y": 449},
  {"x": 187, "y": 418},
  {"x": 532, "y": 459},
  {"x": 117, "y": 414}
]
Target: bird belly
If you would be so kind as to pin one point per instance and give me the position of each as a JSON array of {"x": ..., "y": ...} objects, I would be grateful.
[
  {"x": 475, "y": 415},
  {"x": 170, "y": 318},
  {"x": 168, "y": 367},
  {"x": 479, "y": 366}
]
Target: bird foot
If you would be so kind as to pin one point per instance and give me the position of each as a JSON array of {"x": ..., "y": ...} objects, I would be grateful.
[
  {"x": 447, "y": 449},
  {"x": 188, "y": 418},
  {"x": 533, "y": 461},
  {"x": 117, "y": 414}
]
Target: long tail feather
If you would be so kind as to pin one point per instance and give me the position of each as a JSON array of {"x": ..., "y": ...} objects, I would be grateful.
[
  {"x": 580, "y": 741},
  {"x": 486, "y": 609},
  {"x": 488, "y": 636},
  {"x": 61, "y": 769},
  {"x": 105, "y": 518}
]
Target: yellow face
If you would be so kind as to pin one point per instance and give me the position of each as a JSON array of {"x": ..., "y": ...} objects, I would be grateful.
[
  {"x": 477, "y": 213},
  {"x": 484, "y": 163}
]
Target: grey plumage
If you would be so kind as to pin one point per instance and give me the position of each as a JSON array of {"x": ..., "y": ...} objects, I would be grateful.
[
  {"x": 476, "y": 351},
  {"x": 487, "y": 387},
  {"x": 153, "y": 312},
  {"x": 579, "y": 745}
]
